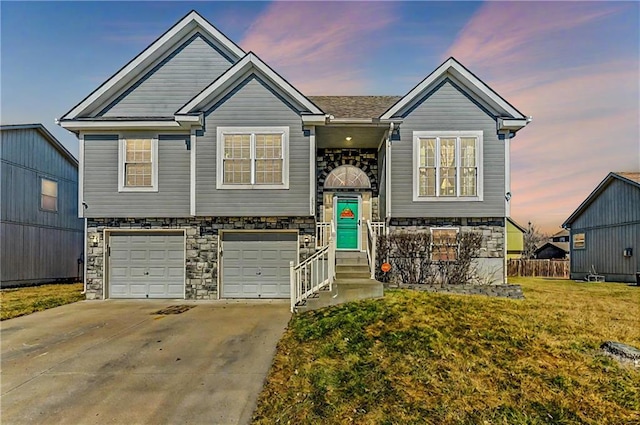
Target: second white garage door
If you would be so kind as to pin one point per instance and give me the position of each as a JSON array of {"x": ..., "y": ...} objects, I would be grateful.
[
  {"x": 146, "y": 265},
  {"x": 256, "y": 265}
]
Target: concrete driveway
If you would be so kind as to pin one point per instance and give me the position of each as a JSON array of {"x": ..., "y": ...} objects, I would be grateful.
[{"x": 98, "y": 362}]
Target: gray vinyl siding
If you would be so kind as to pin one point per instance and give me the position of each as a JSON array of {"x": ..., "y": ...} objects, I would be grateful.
[
  {"x": 610, "y": 224},
  {"x": 447, "y": 109},
  {"x": 37, "y": 245},
  {"x": 382, "y": 187},
  {"x": 101, "y": 181},
  {"x": 252, "y": 104},
  {"x": 172, "y": 83}
]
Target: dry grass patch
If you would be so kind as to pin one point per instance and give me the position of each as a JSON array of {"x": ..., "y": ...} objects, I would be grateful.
[
  {"x": 22, "y": 301},
  {"x": 422, "y": 358}
]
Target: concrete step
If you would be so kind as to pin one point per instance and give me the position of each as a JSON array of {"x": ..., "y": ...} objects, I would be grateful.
[
  {"x": 351, "y": 258},
  {"x": 353, "y": 274},
  {"x": 344, "y": 290}
]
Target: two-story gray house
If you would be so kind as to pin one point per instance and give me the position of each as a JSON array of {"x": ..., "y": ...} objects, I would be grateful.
[{"x": 204, "y": 173}]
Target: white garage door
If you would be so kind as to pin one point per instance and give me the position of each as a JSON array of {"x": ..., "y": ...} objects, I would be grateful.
[
  {"x": 256, "y": 265},
  {"x": 146, "y": 265}
]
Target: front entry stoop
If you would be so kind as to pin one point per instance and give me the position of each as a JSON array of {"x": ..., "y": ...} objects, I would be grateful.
[{"x": 352, "y": 283}]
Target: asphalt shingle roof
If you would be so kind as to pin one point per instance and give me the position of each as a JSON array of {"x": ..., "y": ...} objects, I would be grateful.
[
  {"x": 629, "y": 175},
  {"x": 354, "y": 106}
]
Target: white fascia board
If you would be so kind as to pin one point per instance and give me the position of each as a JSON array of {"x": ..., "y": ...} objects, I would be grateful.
[
  {"x": 150, "y": 54},
  {"x": 455, "y": 68},
  {"x": 316, "y": 119},
  {"x": 118, "y": 125},
  {"x": 190, "y": 119},
  {"x": 231, "y": 75},
  {"x": 512, "y": 124}
]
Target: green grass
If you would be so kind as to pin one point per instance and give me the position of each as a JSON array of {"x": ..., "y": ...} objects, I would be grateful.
[
  {"x": 421, "y": 358},
  {"x": 23, "y": 301}
]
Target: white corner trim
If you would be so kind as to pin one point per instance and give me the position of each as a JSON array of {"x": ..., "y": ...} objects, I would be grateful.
[
  {"x": 81, "y": 178},
  {"x": 457, "y": 69},
  {"x": 238, "y": 70},
  {"x": 417, "y": 135},
  {"x": 152, "y": 53},
  {"x": 507, "y": 174},
  {"x": 192, "y": 182},
  {"x": 284, "y": 131},
  {"x": 154, "y": 165}
]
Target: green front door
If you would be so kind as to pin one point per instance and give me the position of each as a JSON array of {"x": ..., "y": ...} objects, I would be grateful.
[{"x": 347, "y": 224}]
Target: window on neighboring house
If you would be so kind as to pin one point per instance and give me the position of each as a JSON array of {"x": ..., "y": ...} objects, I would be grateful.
[
  {"x": 138, "y": 164},
  {"x": 447, "y": 165},
  {"x": 48, "y": 195},
  {"x": 444, "y": 244},
  {"x": 578, "y": 241},
  {"x": 252, "y": 158}
]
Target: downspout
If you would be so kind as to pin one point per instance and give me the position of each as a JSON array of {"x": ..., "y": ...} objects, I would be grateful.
[
  {"x": 507, "y": 197},
  {"x": 388, "y": 177}
]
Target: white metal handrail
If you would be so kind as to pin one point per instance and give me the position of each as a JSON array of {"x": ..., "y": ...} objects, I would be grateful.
[
  {"x": 323, "y": 232},
  {"x": 374, "y": 229},
  {"x": 315, "y": 272}
]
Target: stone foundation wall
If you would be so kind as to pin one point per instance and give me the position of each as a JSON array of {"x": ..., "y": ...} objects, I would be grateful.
[
  {"x": 490, "y": 262},
  {"x": 505, "y": 291},
  {"x": 202, "y": 241}
]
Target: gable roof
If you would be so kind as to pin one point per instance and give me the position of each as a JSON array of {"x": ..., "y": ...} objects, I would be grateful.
[
  {"x": 162, "y": 45},
  {"x": 632, "y": 178},
  {"x": 250, "y": 62},
  {"x": 46, "y": 135},
  {"x": 516, "y": 225},
  {"x": 354, "y": 106},
  {"x": 470, "y": 81},
  {"x": 563, "y": 246}
]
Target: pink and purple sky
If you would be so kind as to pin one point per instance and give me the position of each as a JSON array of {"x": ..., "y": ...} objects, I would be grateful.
[{"x": 573, "y": 66}]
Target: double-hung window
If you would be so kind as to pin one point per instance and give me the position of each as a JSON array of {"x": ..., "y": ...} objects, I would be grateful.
[
  {"x": 48, "y": 195},
  {"x": 447, "y": 165},
  {"x": 138, "y": 165},
  {"x": 252, "y": 158}
]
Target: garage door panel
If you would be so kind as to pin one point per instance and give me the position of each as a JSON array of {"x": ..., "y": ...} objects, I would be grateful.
[
  {"x": 146, "y": 266},
  {"x": 256, "y": 265}
]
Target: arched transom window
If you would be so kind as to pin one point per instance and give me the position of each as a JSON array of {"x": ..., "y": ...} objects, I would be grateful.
[{"x": 347, "y": 176}]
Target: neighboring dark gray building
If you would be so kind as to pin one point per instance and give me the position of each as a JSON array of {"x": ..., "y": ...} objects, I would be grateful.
[
  {"x": 605, "y": 230},
  {"x": 552, "y": 251},
  {"x": 42, "y": 236}
]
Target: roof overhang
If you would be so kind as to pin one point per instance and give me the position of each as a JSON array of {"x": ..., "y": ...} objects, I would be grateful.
[
  {"x": 190, "y": 23},
  {"x": 251, "y": 62},
  {"x": 511, "y": 124},
  {"x": 471, "y": 83},
  {"x": 178, "y": 123}
]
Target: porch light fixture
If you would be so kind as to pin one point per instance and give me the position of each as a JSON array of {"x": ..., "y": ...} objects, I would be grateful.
[
  {"x": 94, "y": 238},
  {"x": 348, "y": 138}
]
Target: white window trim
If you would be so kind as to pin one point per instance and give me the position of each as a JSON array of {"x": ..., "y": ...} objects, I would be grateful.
[
  {"x": 584, "y": 241},
  {"x": 457, "y": 229},
  {"x": 42, "y": 194},
  {"x": 417, "y": 135},
  {"x": 284, "y": 131},
  {"x": 154, "y": 163}
]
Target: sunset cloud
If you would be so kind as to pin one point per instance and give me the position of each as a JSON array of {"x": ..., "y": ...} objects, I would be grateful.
[
  {"x": 319, "y": 47},
  {"x": 585, "y": 105}
]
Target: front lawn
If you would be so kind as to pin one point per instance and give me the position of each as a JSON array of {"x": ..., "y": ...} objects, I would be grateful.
[
  {"x": 22, "y": 301},
  {"x": 422, "y": 358}
]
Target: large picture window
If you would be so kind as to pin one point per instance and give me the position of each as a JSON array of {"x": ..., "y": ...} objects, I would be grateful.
[
  {"x": 48, "y": 195},
  {"x": 138, "y": 164},
  {"x": 252, "y": 158},
  {"x": 447, "y": 165}
]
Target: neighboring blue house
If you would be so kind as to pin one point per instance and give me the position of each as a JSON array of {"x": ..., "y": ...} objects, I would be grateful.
[
  {"x": 205, "y": 173},
  {"x": 42, "y": 236}
]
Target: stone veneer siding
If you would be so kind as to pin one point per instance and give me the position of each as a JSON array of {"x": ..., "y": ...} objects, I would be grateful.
[
  {"x": 493, "y": 230},
  {"x": 201, "y": 262},
  {"x": 329, "y": 159}
]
